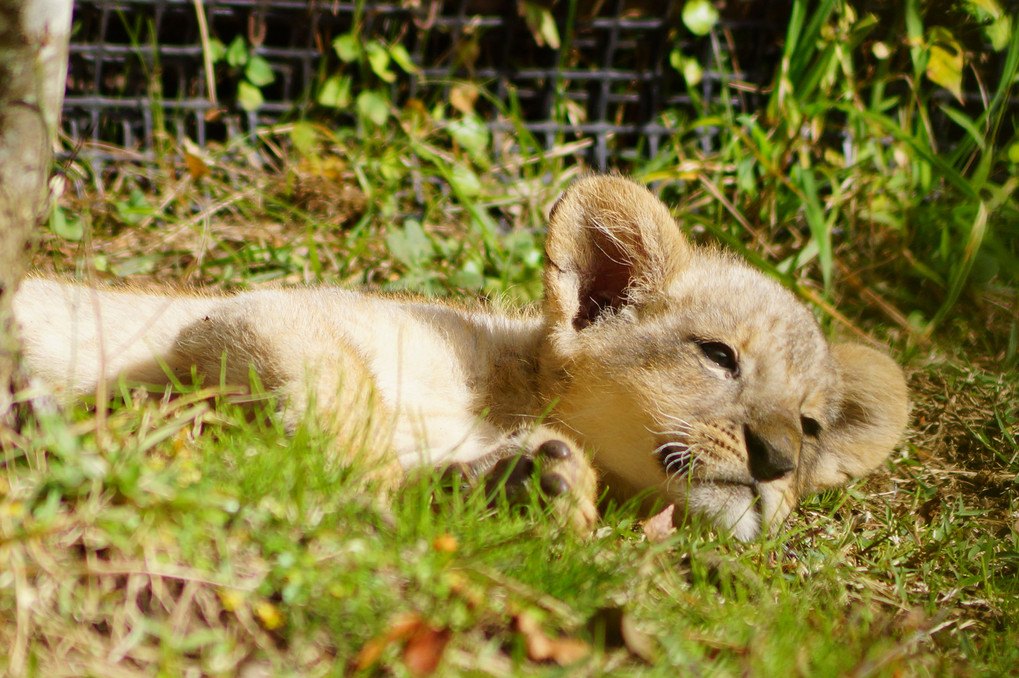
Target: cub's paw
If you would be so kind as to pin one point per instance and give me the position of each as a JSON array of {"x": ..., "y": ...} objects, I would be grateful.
[{"x": 540, "y": 462}]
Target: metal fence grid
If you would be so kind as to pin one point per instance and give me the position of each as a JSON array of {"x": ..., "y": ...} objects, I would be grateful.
[{"x": 136, "y": 66}]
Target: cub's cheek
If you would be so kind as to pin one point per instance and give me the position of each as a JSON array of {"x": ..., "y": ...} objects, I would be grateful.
[{"x": 633, "y": 472}]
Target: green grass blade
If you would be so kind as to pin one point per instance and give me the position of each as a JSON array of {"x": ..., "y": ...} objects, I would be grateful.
[
  {"x": 961, "y": 272},
  {"x": 814, "y": 213}
]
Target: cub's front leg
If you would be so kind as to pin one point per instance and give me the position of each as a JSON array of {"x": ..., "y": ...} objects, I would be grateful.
[{"x": 539, "y": 460}]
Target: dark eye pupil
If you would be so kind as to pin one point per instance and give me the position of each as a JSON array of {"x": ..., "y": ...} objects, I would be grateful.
[{"x": 720, "y": 354}]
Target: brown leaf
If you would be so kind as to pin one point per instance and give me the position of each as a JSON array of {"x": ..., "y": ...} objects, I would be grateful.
[
  {"x": 637, "y": 642},
  {"x": 659, "y": 528},
  {"x": 424, "y": 649},
  {"x": 540, "y": 647},
  {"x": 196, "y": 165},
  {"x": 370, "y": 653},
  {"x": 401, "y": 627}
]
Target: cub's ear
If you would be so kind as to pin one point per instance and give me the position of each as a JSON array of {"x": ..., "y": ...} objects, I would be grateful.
[
  {"x": 610, "y": 243},
  {"x": 869, "y": 418}
]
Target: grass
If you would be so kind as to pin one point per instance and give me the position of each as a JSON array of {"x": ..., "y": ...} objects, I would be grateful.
[{"x": 169, "y": 537}]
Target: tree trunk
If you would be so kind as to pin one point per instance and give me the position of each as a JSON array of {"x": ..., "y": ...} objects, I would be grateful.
[{"x": 33, "y": 74}]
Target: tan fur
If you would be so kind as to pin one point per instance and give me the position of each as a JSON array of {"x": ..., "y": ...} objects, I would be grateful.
[{"x": 687, "y": 375}]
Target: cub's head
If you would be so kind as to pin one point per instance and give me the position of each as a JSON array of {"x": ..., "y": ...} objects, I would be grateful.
[{"x": 692, "y": 375}]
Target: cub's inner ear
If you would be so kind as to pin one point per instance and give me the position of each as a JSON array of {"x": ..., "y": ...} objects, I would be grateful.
[
  {"x": 610, "y": 242},
  {"x": 872, "y": 410},
  {"x": 605, "y": 285}
]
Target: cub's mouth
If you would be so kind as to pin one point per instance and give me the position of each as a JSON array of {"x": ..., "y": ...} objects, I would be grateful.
[{"x": 724, "y": 492}]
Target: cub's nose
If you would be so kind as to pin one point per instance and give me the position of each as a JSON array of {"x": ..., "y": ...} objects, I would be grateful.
[{"x": 772, "y": 453}]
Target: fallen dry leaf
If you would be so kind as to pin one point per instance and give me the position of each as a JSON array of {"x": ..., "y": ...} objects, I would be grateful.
[
  {"x": 637, "y": 642},
  {"x": 659, "y": 528},
  {"x": 197, "y": 167},
  {"x": 423, "y": 649},
  {"x": 400, "y": 627},
  {"x": 540, "y": 647}
]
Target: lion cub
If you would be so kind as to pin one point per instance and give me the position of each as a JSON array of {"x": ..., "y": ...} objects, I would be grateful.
[{"x": 685, "y": 374}]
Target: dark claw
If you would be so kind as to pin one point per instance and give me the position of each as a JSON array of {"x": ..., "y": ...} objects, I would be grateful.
[
  {"x": 553, "y": 484},
  {"x": 554, "y": 449}
]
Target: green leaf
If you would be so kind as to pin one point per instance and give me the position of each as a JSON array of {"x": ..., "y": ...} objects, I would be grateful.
[
  {"x": 68, "y": 229},
  {"x": 335, "y": 92},
  {"x": 985, "y": 268},
  {"x": 135, "y": 209},
  {"x": 304, "y": 137},
  {"x": 1013, "y": 152},
  {"x": 984, "y": 9},
  {"x": 373, "y": 105},
  {"x": 944, "y": 65},
  {"x": 237, "y": 53},
  {"x": 249, "y": 96},
  {"x": 258, "y": 71},
  {"x": 136, "y": 265},
  {"x": 999, "y": 32},
  {"x": 960, "y": 273},
  {"x": 470, "y": 277},
  {"x": 402, "y": 58},
  {"x": 471, "y": 133},
  {"x": 410, "y": 245},
  {"x": 378, "y": 59},
  {"x": 347, "y": 47},
  {"x": 700, "y": 16},
  {"x": 465, "y": 181},
  {"x": 217, "y": 50}
]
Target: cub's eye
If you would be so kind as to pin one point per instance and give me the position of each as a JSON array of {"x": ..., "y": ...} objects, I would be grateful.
[
  {"x": 721, "y": 355},
  {"x": 811, "y": 427}
]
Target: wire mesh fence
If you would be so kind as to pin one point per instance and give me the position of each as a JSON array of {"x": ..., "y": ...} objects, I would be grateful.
[{"x": 599, "y": 71}]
